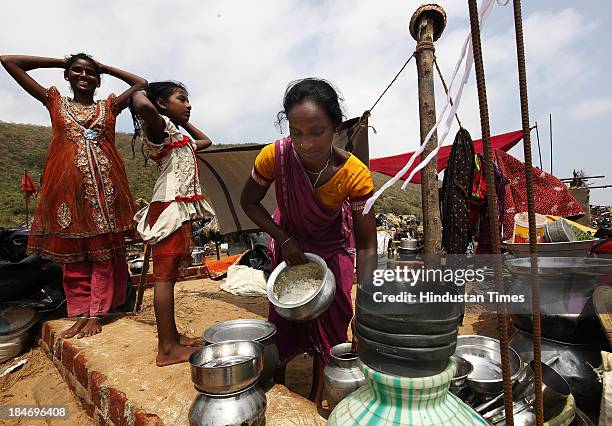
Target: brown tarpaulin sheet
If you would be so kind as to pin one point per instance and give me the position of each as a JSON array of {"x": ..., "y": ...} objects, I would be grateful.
[
  {"x": 353, "y": 137},
  {"x": 224, "y": 171}
]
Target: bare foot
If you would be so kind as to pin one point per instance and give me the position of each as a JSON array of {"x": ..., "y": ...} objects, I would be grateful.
[
  {"x": 191, "y": 341},
  {"x": 93, "y": 326},
  {"x": 76, "y": 327},
  {"x": 173, "y": 355}
]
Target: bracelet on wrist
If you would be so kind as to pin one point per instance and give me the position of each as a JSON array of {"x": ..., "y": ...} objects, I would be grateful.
[{"x": 287, "y": 240}]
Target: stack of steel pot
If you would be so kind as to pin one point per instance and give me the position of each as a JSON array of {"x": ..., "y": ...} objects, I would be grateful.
[
  {"x": 570, "y": 328},
  {"x": 403, "y": 331},
  {"x": 249, "y": 329},
  {"x": 226, "y": 375}
]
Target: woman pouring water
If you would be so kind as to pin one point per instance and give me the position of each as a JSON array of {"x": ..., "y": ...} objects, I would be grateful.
[{"x": 320, "y": 193}]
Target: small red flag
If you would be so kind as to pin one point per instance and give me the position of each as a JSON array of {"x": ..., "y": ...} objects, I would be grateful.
[{"x": 28, "y": 186}]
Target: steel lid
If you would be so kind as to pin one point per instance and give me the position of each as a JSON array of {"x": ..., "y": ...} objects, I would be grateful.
[
  {"x": 241, "y": 329},
  {"x": 13, "y": 318}
]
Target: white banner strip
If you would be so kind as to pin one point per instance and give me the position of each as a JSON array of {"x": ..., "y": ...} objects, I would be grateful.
[{"x": 467, "y": 54}]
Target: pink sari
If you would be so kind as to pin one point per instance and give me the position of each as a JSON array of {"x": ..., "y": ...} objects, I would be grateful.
[{"x": 324, "y": 232}]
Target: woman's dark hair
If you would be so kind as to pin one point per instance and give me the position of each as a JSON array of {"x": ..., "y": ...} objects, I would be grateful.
[
  {"x": 316, "y": 90},
  {"x": 156, "y": 90},
  {"x": 72, "y": 58}
]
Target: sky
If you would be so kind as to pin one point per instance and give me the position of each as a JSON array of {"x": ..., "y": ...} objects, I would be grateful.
[{"x": 237, "y": 57}]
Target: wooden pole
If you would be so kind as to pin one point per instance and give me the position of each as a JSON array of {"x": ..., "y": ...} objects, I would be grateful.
[
  {"x": 599, "y": 187},
  {"x": 426, "y": 25},
  {"x": 582, "y": 178},
  {"x": 539, "y": 150},
  {"x": 27, "y": 213},
  {"x": 551, "y": 145},
  {"x": 27, "y": 197}
]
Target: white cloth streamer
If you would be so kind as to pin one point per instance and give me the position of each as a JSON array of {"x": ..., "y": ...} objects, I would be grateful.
[{"x": 467, "y": 54}]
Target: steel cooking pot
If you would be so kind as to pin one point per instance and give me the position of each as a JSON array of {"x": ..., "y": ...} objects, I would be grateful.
[
  {"x": 484, "y": 354},
  {"x": 311, "y": 307},
  {"x": 248, "y": 329},
  {"x": 197, "y": 257},
  {"x": 228, "y": 367},
  {"x": 246, "y": 407}
]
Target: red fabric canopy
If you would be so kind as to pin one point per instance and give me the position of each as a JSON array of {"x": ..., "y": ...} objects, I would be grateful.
[
  {"x": 391, "y": 165},
  {"x": 551, "y": 196}
]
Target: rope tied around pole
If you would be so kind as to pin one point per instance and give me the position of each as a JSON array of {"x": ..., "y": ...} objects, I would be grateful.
[
  {"x": 424, "y": 45},
  {"x": 421, "y": 45}
]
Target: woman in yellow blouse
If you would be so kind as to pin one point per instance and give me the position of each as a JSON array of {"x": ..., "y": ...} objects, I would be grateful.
[{"x": 320, "y": 193}]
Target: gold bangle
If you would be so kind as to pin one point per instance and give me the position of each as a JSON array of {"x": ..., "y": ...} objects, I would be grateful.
[{"x": 290, "y": 238}]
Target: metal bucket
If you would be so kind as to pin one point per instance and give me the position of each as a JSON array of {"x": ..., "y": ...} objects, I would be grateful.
[{"x": 559, "y": 231}]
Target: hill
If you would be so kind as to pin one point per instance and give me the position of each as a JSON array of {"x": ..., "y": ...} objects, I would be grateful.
[{"x": 24, "y": 147}]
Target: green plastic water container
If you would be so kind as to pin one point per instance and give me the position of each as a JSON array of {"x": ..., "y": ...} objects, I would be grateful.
[{"x": 395, "y": 400}]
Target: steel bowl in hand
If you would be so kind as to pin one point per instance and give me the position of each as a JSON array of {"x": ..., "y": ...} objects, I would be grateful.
[{"x": 311, "y": 306}]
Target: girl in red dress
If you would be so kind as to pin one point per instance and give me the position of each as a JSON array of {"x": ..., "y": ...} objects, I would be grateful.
[{"x": 85, "y": 208}]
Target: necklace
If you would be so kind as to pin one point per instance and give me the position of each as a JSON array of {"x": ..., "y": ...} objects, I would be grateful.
[{"x": 314, "y": 185}]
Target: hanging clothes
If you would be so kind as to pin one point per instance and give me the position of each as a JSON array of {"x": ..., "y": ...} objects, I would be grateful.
[
  {"x": 479, "y": 213},
  {"x": 456, "y": 194}
]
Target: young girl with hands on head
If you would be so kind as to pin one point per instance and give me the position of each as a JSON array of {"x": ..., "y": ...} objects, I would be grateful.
[{"x": 158, "y": 111}]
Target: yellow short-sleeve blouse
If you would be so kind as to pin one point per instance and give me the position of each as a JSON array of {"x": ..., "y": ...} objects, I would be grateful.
[{"x": 353, "y": 181}]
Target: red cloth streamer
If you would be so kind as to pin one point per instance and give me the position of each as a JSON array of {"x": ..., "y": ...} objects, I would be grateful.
[
  {"x": 28, "y": 186},
  {"x": 391, "y": 165}
]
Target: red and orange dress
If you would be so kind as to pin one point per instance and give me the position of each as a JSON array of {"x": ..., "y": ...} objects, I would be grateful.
[
  {"x": 177, "y": 201},
  {"x": 85, "y": 208}
]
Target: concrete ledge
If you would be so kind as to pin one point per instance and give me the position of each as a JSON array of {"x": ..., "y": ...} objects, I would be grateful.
[
  {"x": 102, "y": 401},
  {"x": 114, "y": 377}
]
